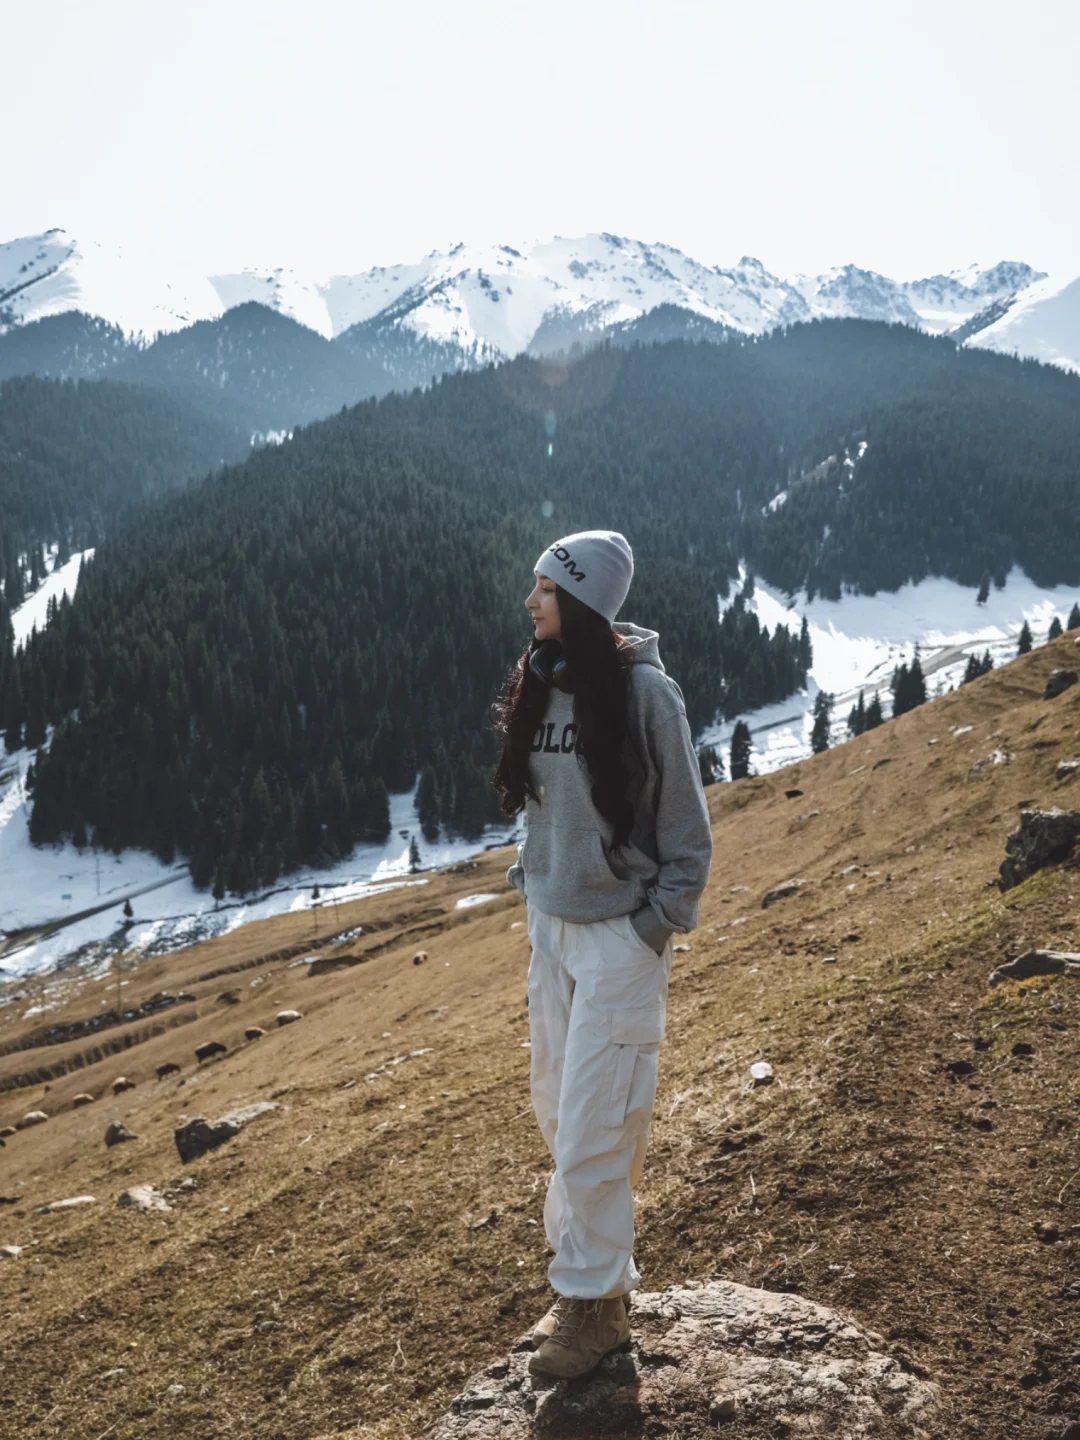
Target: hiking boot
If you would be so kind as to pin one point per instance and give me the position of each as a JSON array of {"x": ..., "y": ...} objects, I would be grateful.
[
  {"x": 545, "y": 1327},
  {"x": 584, "y": 1332}
]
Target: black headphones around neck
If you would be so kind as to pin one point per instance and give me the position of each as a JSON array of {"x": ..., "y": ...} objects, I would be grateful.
[{"x": 548, "y": 663}]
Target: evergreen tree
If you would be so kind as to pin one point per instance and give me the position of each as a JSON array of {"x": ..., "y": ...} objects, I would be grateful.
[
  {"x": 336, "y": 810},
  {"x": 978, "y": 665},
  {"x": 1023, "y": 645},
  {"x": 378, "y": 829},
  {"x": 1055, "y": 629},
  {"x": 11, "y": 701},
  {"x": 1074, "y": 616},
  {"x": 819, "y": 734},
  {"x": 427, "y": 805},
  {"x": 740, "y": 751},
  {"x": 806, "y": 649},
  {"x": 414, "y": 855},
  {"x": 857, "y": 717},
  {"x": 711, "y": 765},
  {"x": 984, "y": 588},
  {"x": 874, "y": 715},
  {"x": 128, "y": 911},
  {"x": 908, "y": 686}
]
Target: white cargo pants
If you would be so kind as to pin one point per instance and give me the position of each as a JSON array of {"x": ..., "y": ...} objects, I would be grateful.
[{"x": 597, "y": 1010}]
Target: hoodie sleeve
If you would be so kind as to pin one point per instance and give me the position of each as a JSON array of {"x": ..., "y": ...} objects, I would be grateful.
[{"x": 683, "y": 838}]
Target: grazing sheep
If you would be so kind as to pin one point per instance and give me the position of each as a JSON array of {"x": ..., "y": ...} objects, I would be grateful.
[
  {"x": 32, "y": 1117},
  {"x": 253, "y": 1032},
  {"x": 117, "y": 1133},
  {"x": 211, "y": 1048},
  {"x": 82, "y": 1099},
  {"x": 7, "y": 1130},
  {"x": 419, "y": 957},
  {"x": 122, "y": 1084},
  {"x": 169, "y": 1068},
  {"x": 228, "y": 997},
  {"x": 286, "y": 1017}
]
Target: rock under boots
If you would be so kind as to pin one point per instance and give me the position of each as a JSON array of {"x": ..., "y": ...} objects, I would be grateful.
[{"x": 583, "y": 1332}]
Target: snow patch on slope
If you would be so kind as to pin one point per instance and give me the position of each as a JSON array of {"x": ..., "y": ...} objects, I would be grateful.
[
  {"x": 859, "y": 640},
  {"x": 1043, "y": 323},
  {"x": 60, "y": 581}
]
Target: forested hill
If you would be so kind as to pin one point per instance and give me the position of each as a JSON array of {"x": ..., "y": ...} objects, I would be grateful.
[
  {"x": 245, "y": 677},
  {"x": 75, "y": 456},
  {"x": 251, "y": 367},
  {"x": 950, "y": 462}
]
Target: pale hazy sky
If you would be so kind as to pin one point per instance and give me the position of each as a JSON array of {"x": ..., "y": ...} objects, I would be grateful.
[{"x": 326, "y": 135}]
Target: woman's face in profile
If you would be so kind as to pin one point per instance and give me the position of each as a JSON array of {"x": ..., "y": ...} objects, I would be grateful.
[{"x": 543, "y": 605}]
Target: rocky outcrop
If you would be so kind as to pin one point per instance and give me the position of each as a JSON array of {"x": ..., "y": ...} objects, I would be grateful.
[
  {"x": 704, "y": 1355},
  {"x": 1058, "y": 682},
  {"x": 1037, "y": 962},
  {"x": 198, "y": 1135},
  {"x": 781, "y": 892},
  {"x": 1042, "y": 838},
  {"x": 73, "y": 1202},
  {"x": 143, "y": 1197}
]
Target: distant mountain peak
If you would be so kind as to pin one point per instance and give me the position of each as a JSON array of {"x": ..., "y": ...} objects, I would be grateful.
[{"x": 485, "y": 302}]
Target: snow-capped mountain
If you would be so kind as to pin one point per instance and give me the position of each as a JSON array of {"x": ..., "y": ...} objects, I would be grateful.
[
  {"x": 1042, "y": 322},
  {"x": 473, "y": 304},
  {"x": 52, "y": 274},
  {"x": 938, "y": 304}
]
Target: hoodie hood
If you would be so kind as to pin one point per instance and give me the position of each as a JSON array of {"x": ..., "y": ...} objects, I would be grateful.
[{"x": 646, "y": 643}]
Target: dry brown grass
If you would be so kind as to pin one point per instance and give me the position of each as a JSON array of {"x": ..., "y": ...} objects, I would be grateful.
[{"x": 324, "y": 1278}]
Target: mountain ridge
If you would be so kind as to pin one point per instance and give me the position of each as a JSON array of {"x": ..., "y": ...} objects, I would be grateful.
[{"x": 483, "y": 303}]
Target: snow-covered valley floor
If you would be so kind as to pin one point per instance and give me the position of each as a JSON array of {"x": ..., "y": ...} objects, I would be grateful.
[{"x": 41, "y": 885}]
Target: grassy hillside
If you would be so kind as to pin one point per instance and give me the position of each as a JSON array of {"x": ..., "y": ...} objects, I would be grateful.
[{"x": 325, "y": 1276}]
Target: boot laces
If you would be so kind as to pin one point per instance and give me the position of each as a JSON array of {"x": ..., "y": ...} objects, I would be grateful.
[{"x": 571, "y": 1318}]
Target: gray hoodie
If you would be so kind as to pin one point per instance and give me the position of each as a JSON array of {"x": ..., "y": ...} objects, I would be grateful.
[{"x": 564, "y": 865}]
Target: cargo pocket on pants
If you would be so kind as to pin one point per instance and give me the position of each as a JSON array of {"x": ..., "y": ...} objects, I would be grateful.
[{"x": 635, "y": 1034}]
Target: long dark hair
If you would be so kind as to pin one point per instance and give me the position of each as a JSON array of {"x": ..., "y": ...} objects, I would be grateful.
[{"x": 598, "y": 659}]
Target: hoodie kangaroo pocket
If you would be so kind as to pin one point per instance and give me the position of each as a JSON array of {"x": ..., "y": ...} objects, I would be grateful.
[{"x": 564, "y": 867}]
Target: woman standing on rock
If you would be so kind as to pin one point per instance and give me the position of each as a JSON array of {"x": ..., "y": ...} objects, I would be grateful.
[{"x": 598, "y": 751}]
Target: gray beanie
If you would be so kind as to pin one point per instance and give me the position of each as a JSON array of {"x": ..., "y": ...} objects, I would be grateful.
[{"x": 595, "y": 565}]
